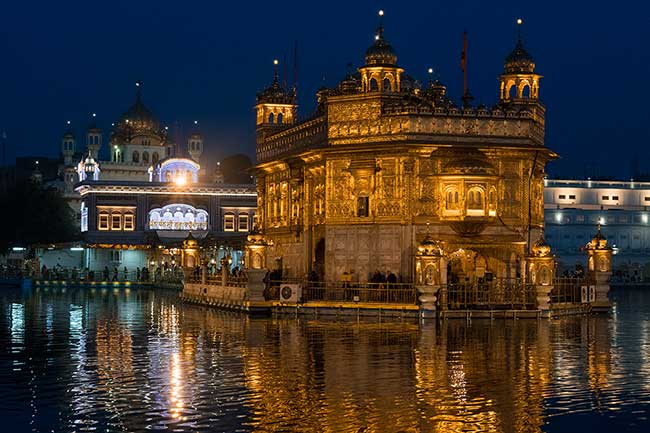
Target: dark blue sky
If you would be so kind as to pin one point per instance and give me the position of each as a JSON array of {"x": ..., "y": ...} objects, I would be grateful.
[{"x": 205, "y": 60}]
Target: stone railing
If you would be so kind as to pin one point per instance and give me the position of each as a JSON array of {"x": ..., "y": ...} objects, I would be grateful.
[{"x": 311, "y": 133}]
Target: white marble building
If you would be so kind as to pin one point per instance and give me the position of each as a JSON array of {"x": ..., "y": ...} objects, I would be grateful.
[{"x": 574, "y": 208}]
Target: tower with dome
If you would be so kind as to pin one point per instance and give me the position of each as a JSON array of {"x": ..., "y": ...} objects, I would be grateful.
[{"x": 385, "y": 163}]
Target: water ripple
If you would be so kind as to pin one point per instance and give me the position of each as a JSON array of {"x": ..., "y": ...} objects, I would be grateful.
[{"x": 139, "y": 360}]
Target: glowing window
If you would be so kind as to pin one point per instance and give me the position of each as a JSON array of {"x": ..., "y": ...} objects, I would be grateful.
[
  {"x": 129, "y": 222},
  {"x": 243, "y": 222},
  {"x": 475, "y": 199},
  {"x": 363, "y": 206},
  {"x": 452, "y": 199},
  {"x": 116, "y": 221},
  {"x": 102, "y": 223},
  {"x": 84, "y": 217},
  {"x": 229, "y": 222}
]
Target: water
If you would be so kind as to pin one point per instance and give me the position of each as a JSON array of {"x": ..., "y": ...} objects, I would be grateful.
[{"x": 128, "y": 361}]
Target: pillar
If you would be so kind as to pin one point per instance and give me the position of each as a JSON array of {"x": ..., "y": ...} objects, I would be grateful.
[
  {"x": 599, "y": 271},
  {"x": 428, "y": 275},
  {"x": 541, "y": 274}
]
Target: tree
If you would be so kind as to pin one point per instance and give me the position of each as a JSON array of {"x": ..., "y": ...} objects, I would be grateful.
[
  {"x": 33, "y": 214},
  {"x": 237, "y": 168}
]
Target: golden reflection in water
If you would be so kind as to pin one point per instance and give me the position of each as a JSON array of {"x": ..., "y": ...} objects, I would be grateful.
[
  {"x": 328, "y": 376},
  {"x": 376, "y": 377},
  {"x": 176, "y": 388}
]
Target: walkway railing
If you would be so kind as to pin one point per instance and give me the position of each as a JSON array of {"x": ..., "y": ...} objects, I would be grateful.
[
  {"x": 497, "y": 294},
  {"x": 216, "y": 279},
  {"x": 315, "y": 291},
  {"x": 568, "y": 290}
]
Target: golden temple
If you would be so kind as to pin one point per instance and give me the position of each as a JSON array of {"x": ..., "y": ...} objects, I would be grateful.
[{"x": 387, "y": 173}]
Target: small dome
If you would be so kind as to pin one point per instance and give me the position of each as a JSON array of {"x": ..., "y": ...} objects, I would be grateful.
[
  {"x": 190, "y": 241},
  {"x": 598, "y": 242},
  {"x": 519, "y": 60},
  {"x": 350, "y": 84},
  {"x": 541, "y": 248},
  {"x": 429, "y": 247},
  {"x": 275, "y": 93},
  {"x": 381, "y": 53}
]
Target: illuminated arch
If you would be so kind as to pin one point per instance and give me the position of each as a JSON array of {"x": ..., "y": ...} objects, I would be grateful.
[{"x": 178, "y": 216}]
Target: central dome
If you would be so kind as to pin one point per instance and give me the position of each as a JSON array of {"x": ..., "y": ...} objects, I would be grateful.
[
  {"x": 380, "y": 53},
  {"x": 138, "y": 120}
]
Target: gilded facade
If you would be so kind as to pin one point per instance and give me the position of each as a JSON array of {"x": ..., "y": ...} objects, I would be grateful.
[{"x": 384, "y": 163}]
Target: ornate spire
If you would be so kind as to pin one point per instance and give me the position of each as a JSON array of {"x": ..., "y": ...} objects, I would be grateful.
[
  {"x": 275, "y": 71},
  {"x": 380, "y": 52},
  {"x": 275, "y": 93},
  {"x": 138, "y": 91},
  {"x": 519, "y": 60},
  {"x": 380, "y": 29}
]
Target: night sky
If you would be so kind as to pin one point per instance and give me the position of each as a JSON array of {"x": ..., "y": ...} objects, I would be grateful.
[{"x": 206, "y": 60}]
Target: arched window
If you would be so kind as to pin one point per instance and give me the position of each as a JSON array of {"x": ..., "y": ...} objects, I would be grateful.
[
  {"x": 475, "y": 199},
  {"x": 512, "y": 91},
  {"x": 374, "y": 87},
  {"x": 154, "y": 220},
  {"x": 452, "y": 199},
  {"x": 525, "y": 91},
  {"x": 280, "y": 118},
  {"x": 271, "y": 118},
  {"x": 136, "y": 156},
  {"x": 154, "y": 157},
  {"x": 145, "y": 156},
  {"x": 387, "y": 86}
]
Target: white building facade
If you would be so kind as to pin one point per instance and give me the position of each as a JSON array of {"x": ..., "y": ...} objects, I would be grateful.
[{"x": 574, "y": 208}]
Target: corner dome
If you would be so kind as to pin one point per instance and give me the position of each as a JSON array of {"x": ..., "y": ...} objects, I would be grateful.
[
  {"x": 519, "y": 60},
  {"x": 275, "y": 94},
  {"x": 381, "y": 53}
]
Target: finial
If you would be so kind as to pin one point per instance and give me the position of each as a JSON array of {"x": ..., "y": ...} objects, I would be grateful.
[
  {"x": 94, "y": 115},
  {"x": 380, "y": 29},
  {"x": 519, "y": 23},
  {"x": 196, "y": 122},
  {"x": 275, "y": 70},
  {"x": 430, "y": 72},
  {"x": 67, "y": 123},
  {"x": 138, "y": 86}
]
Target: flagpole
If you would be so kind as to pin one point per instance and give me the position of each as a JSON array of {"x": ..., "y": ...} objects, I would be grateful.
[{"x": 464, "y": 63}]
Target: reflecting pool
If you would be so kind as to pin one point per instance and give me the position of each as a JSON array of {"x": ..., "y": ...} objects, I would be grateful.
[{"x": 133, "y": 360}]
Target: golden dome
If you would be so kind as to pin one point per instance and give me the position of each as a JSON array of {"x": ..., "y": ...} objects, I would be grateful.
[
  {"x": 541, "y": 248},
  {"x": 429, "y": 247}
]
